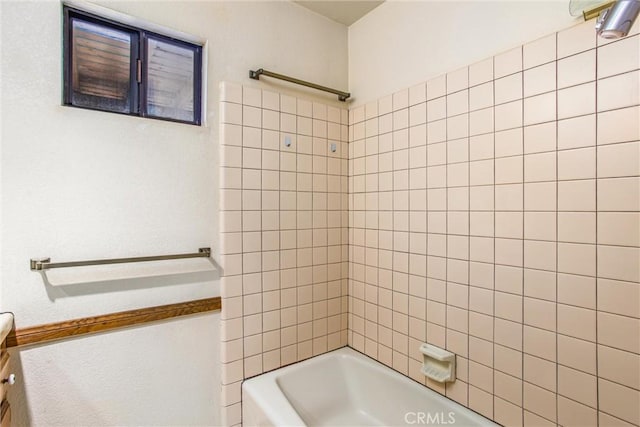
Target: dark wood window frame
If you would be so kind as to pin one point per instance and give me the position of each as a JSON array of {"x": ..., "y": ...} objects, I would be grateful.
[{"x": 139, "y": 58}]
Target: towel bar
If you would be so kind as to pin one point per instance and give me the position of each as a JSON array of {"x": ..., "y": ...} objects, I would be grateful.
[{"x": 38, "y": 264}]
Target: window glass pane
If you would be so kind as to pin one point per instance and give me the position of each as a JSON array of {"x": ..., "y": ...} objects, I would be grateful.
[
  {"x": 170, "y": 80},
  {"x": 101, "y": 67}
]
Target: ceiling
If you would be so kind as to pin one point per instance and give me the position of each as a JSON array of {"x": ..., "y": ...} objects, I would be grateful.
[{"x": 345, "y": 12}]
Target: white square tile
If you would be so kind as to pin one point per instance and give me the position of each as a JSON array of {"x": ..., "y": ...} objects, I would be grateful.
[
  {"x": 418, "y": 114},
  {"x": 401, "y": 100},
  {"x": 481, "y": 72},
  {"x": 576, "y": 101},
  {"x": 540, "y": 109},
  {"x": 305, "y": 108},
  {"x": 619, "y": 160},
  {"x": 270, "y": 100},
  {"x": 619, "y": 228},
  {"x": 577, "y": 69},
  {"x": 508, "y": 116},
  {"x": 230, "y": 113},
  {"x": 619, "y": 263},
  {"x": 437, "y": 87},
  {"x": 418, "y": 94},
  {"x": 481, "y": 96},
  {"x": 457, "y": 80},
  {"x": 576, "y": 39},
  {"x": 288, "y": 104},
  {"x": 457, "y": 103},
  {"x": 619, "y": 332},
  {"x": 481, "y": 198},
  {"x": 508, "y": 88},
  {"x": 577, "y": 164},
  {"x": 579, "y": 291},
  {"x": 539, "y": 255},
  {"x": 540, "y": 138},
  {"x": 231, "y": 92},
  {"x": 508, "y": 62},
  {"x": 540, "y": 196},
  {"x": 577, "y": 227},
  {"x": 385, "y": 105},
  {"x": 481, "y": 147},
  {"x": 620, "y": 57},
  {"x": 457, "y": 150},
  {"x": 509, "y": 225},
  {"x": 619, "y": 298},
  {"x": 458, "y": 126},
  {"x": 508, "y": 170},
  {"x": 577, "y": 259},
  {"x": 436, "y": 131},
  {"x": 540, "y": 80},
  {"x": 539, "y": 51},
  {"x": 577, "y": 195},
  {"x": 251, "y": 116},
  {"x": 252, "y": 96},
  {"x": 509, "y": 197},
  {"x": 481, "y": 172},
  {"x": 619, "y": 125},
  {"x": 540, "y": 284},
  {"x": 616, "y": 399},
  {"x": 619, "y": 194},
  {"x": 481, "y": 121},
  {"x": 540, "y": 167},
  {"x": 619, "y": 91},
  {"x": 230, "y": 134},
  {"x": 577, "y": 132},
  {"x": 540, "y": 225}
]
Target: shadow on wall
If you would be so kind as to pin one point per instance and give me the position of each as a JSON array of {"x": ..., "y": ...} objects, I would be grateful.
[{"x": 105, "y": 279}]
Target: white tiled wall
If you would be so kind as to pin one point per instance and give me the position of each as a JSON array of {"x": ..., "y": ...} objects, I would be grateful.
[
  {"x": 283, "y": 234},
  {"x": 494, "y": 211}
]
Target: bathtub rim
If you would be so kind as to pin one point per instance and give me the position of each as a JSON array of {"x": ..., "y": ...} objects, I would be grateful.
[{"x": 261, "y": 387}]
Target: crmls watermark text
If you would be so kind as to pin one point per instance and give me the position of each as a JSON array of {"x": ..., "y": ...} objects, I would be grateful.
[{"x": 430, "y": 418}]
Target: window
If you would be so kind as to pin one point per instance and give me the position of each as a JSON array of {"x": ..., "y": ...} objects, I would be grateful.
[{"x": 114, "y": 67}]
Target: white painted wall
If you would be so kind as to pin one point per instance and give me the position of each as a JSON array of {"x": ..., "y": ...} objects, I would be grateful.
[
  {"x": 164, "y": 374},
  {"x": 402, "y": 43},
  {"x": 79, "y": 184},
  {"x": 84, "y": 184}
]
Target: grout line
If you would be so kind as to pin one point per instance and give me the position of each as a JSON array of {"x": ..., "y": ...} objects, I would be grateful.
[
  {"x": 261, "y": 248},
  {"x": 468, "y": 187},
  {"x": 446, "y": 242},
  {"x": 522, "y": 347},
  {"x": 242, "y": 230},
  {"x": 493, "y": 212},
  {"x": 557, "y": 246},
  {"x": 596, "y": 242}
]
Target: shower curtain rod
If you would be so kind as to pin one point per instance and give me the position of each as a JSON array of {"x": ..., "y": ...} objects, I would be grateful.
[{"x": 342, "y": 96}]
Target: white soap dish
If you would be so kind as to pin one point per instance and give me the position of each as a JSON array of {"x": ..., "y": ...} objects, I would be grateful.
[{"x": 439, "y": 364}]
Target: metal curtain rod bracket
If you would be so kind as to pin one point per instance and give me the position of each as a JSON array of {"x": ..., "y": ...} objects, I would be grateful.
[
  {"x": 39, "y": 264},
  {"x": 342, "y": 96},
  {"x": 594, "y": 12}
]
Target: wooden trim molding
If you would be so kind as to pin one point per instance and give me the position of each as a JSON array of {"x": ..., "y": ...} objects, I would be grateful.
[{"x": 90, "y": 325}]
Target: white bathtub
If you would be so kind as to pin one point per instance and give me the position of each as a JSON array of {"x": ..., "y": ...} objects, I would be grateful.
[{"x": 346, "y": 388}]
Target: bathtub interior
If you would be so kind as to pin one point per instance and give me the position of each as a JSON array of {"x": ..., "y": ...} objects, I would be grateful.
[{"x": 348, "y": 389}]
